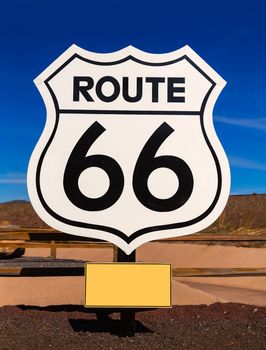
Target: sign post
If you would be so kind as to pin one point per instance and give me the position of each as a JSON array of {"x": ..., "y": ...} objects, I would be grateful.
[
  {"x": 129, "y": 154},
  {"x": 127, "y": 317}
]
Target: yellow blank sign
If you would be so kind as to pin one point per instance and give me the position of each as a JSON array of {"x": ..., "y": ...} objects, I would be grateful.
[{"x": 128, "y": 285}]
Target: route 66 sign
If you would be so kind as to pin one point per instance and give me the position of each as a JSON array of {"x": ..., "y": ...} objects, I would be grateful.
[{"x": 129, "y": 153}]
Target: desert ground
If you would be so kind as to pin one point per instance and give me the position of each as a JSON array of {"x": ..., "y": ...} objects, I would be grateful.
[
  {"x": 207, "y": 312},
  {"x": 43, "y": 291},
  {"x": 242, "y": 215}
]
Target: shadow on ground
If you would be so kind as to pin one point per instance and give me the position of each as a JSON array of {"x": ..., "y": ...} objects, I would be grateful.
[
  {"x": 106, "y": 325},
  {"x": 94, "y": 320}
]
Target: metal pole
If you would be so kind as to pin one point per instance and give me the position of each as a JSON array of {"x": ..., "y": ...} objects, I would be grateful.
[{"x": 127, "y": 316}]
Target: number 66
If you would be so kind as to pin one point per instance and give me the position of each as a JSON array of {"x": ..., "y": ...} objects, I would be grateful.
[{"x": 145, "y": 165}]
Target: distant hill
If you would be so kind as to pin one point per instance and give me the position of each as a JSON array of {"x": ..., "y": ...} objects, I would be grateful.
[
  {"x": 242, "y": 213},
  {"x": 19, "y": 213}
]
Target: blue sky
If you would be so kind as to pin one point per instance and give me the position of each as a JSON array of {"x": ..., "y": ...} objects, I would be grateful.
[{"x": 229, "y": 35}]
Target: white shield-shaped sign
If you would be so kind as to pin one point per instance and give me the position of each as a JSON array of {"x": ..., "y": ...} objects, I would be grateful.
[{"x": 129, "y": 153}]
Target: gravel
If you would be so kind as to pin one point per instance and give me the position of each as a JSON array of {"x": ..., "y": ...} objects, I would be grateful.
[{"x": 218, "y": 326}]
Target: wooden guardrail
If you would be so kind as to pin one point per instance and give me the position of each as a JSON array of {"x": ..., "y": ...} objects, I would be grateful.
[
  {"x": 52, "y": 239},
  {"x": 36, "y": 267},
  {"x": 27, "y": 237},
  {"x": 218, "y": 272},
  {"x": 47, "y": 238}
]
